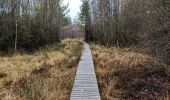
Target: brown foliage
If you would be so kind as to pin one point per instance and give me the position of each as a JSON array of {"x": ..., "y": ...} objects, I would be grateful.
[
  {"x": 47, "y": 74},
  {"x": 2, "y": 75},
  {"x": 123, "y": 73}
]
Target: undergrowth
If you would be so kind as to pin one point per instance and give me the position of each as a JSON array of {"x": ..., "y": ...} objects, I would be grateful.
[
  {"x": 47, "y": 74},
  {"x": 125, "y": 74}
]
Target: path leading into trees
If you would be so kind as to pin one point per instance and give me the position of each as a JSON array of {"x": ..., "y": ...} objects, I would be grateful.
[{"x": 85, "y": 84}]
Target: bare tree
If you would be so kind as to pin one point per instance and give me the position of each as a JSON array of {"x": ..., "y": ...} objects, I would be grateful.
[
  {"x": 129, "y": 22},
  {"x": 28, "y": 24}
]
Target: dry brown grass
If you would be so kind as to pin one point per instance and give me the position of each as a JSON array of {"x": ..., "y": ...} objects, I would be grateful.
[
  {"x": 45, "y": 75},
  {"x": 125, "y": 74}
]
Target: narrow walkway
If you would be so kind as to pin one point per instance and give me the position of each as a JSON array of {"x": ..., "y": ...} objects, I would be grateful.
[{"x": 85, "y": 85}]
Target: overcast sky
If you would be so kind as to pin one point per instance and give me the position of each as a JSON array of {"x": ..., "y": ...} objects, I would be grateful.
[{"x": 74, "y": 6}]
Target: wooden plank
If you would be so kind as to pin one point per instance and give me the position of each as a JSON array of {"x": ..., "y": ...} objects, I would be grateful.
[{"x": 85, "y": 84}]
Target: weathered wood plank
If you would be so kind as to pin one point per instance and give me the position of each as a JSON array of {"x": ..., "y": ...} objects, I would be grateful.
[{"x": 85, "y": 84}]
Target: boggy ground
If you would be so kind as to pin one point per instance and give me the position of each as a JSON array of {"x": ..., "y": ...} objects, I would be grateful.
[
  {"x": 125, "y": 74},
  {"x": 47, "y": 74}
]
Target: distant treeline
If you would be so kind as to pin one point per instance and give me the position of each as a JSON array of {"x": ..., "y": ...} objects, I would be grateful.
[
  {"x": 29, "y": 24},
  {"x": 129, "y": 22},
  {"x": 72, "y": 31}
]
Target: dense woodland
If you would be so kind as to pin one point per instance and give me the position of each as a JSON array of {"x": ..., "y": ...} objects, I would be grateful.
[
  {"x": 123, "y": 23},
  {"x": 29, "y": 24}
]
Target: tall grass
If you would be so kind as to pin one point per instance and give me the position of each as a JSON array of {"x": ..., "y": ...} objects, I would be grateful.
[{"x": 47, "y": 74}]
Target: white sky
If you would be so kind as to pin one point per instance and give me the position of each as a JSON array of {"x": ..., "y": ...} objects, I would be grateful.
[{"x": 74, "y": 6}]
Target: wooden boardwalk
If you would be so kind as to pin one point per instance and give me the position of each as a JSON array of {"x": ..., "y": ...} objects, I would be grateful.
[{"x": 85, "y": 84}]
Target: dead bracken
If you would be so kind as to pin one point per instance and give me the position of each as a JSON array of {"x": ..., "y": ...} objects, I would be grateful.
[{"x": 126, "y": 74}]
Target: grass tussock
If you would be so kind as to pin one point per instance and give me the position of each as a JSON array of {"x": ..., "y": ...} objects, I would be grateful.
[
  {"x": 125, "y": 74},
  {"x": 47, "y": 74}
]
